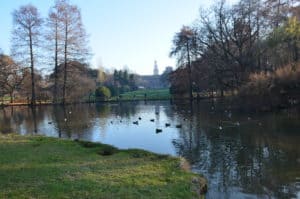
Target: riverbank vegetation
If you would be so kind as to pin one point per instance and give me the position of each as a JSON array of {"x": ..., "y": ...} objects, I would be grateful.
[
  {"x": 239, "y": 49},
  {"x": 40, "y": 167}
]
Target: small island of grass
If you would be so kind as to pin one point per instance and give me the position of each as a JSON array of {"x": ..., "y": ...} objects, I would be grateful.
[{"x": 42, "y": 167}]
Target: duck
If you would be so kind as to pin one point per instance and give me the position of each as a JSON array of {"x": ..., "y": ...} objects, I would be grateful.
[
  {"x": 220, "y": 128},
  {"x": 158, "y": 130},
  {"x": 167, "y": 124},
  {"x": 156, "y": 112},
  {"x": 152, "y": 120},
  {"x": 49, "y": 122},
  {"x": 178, "y": 126},
  {"x": 140, "y": 118},
  {"x": 136, "y": 122},
  {"x": 65, "y": 119}
]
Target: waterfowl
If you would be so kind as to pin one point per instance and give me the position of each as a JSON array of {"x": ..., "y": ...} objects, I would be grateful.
[
  {"x": 156, "y": 113},
  {"x": 49, "y": 122},
  {"x": 178, "y": 126},
  {"x": 140, "y": 118},
  {"x": 136, "y": 122},
  {"x": 65, "y": 119},
  {"x": 152, "y": 120},
  {"x": 158, "y": 130},
  {"x": 220, "y": 127},
  {"x": 167, "y": 124}
]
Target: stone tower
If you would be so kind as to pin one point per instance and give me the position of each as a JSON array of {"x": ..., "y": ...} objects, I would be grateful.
[{"x": 155, "y": 70}]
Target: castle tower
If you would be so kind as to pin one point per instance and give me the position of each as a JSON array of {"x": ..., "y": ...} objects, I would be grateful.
[{"x": 155, "y": 70}]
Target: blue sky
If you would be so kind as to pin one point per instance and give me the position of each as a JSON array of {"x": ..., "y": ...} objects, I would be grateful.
[{"x": 130, "y": 33}]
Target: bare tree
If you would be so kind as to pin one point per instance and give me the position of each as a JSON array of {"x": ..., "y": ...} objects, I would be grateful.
[
  {"x": 183, "y": 44},
  {"x": 74, "y": 38},
  {"x": 54, "y": 36},
  {"x": 25, "y": 39}
]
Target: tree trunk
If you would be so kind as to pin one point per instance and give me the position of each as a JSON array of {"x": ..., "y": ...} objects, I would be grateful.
[
  {"x": 11, "y": 97},
  {"x": 56, "y": 66},
  {"x": 65, "y": 65},
  {"x": 189, "y": 72},
  {"x": 32, "y": 70}
]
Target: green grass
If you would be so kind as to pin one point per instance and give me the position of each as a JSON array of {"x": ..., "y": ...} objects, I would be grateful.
[
  {"x": 154, "y": 94},
  {"x": 41, "y": 167}
]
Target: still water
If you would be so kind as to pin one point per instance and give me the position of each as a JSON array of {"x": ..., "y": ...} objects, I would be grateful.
[{"x": 242, "y": 154}]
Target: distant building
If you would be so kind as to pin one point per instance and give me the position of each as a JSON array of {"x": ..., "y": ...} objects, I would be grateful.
[
  {"x": 154, "y": 81},
  {"x": 155, "y": 70}
]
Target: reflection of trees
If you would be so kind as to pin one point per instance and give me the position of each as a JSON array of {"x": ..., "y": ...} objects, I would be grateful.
[
  {"x": 73, "y": 121},
  {"x": 125, "y": 109},
  {"x": 260, "y": 160},
  {"x": 5, "y": 122},
  {"x": 21, "y": 119}
]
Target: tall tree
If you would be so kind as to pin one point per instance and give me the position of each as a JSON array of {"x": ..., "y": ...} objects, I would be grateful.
[
  {"x": 184, "y": 43},
  {"x": 74, "y": 38},
  {"x": 26, "y": 37},
  {"x": 54, "y": 36}
]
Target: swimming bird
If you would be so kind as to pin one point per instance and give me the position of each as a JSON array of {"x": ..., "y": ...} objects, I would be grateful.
[
  {"x": 178, "y": 126},
  {"x": 49, "y": 122},
  {"x": 136, "y": 122},
  {"x": 158, "y": 130},
  {"x": 65, "y": 119},
  {"x": 140, "y": 118},
  {"x": 157, "y": 113},
  {"x": 152, "y": 120},
  {"x": 167, "y": 124},
  {"x": 220, "y": 127},
  {"x": 70, "y": 112}
]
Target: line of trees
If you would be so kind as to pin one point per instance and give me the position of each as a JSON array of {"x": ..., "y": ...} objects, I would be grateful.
[
  {"x": 59, "y": 41},
  {"x": 228, "y": 43}
]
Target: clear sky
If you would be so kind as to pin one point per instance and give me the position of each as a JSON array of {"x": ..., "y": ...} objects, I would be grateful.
[{"x": 130, "y": 33}]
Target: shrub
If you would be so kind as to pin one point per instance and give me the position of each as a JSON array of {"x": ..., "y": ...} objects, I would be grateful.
[{"x": 102, "y": 93}]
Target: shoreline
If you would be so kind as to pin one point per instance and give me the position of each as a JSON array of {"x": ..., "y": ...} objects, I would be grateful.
[{"x": 86, "y": 166}]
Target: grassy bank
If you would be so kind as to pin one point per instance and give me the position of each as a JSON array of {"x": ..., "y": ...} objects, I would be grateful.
[
  {"x": 41, "y": 167},
  {"x": 149, "y": 94}
]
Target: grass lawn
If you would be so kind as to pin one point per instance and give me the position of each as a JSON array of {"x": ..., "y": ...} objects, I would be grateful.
[
  {"x": 41, "y": 167},
  {"x": 150, "y": 94}
]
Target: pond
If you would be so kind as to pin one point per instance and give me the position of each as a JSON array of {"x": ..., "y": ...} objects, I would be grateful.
[{"x": 242, "y": 154}]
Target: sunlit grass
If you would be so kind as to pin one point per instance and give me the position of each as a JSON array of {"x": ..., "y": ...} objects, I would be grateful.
[
  {"x": 147, "y": 94},
  {"x": 40, "y": 167}
]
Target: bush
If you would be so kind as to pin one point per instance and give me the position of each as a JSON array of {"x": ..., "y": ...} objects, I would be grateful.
[{"x": 102, "y": 93}]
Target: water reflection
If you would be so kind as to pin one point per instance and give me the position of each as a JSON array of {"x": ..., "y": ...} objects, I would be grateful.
[{"x": 243, "y": 155}]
